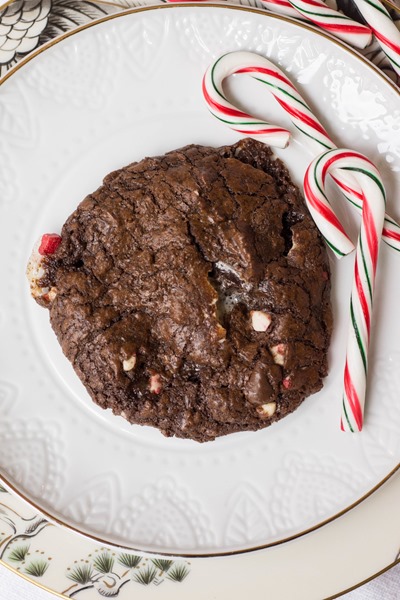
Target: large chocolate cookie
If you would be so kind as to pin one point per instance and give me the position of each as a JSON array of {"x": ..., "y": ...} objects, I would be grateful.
[{"x": 191, "y": 292}]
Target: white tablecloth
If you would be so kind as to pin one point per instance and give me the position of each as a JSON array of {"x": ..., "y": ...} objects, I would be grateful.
[{"x": 385, "y": 587}]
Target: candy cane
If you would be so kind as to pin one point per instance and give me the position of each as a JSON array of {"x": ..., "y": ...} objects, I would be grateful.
[
  {"x": 282, "y": 7},
  {"x": 226, "y": 112},
  {"x": 334, "y": 22},
  {"x": 383, "y": 28},
  {"x": 373, "y": 211},
  {"x": 318, "y": 13},
  {"x": 303, "y": 119}
]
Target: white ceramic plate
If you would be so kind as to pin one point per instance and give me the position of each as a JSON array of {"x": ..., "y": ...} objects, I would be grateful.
[
  {"x": 113, "y": 93},
  {"x": 317, "y": 566}
]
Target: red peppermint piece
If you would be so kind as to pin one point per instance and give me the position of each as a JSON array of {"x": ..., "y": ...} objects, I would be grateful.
[
  {"x": 155, "y": 383},
  {"x": 287, "y": 383},
  {"x": 49, "y": 243}
]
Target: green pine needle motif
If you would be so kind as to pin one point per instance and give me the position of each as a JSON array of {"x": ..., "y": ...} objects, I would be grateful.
[
  {"x": 19, "y": 553},
  {"x": 178, "y": 573},
  {"x": 81, "y": 574},
  {"x": 129, "y": 560},
  {"x": 162, "y": 564},
  {"x": 146, "y": 576},
  {"x": 37, "y": 569},
  {"x": 104, "y": 563}
]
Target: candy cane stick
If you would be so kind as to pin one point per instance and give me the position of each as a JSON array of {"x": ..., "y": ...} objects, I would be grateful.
[
  {"x": 318, "y": 13},
  {"x": 334, "y": 22},
  {"x": 282, "y": 7},
  {"x": 383, "y": 28},
  {"x": 301, "y": 116},
  {"x": 373, "y": 211}
]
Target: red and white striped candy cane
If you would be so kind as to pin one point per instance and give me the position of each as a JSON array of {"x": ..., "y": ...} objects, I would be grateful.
[
  {"x": 336, "y": 23},
  {"x": 383, "y": 28},
  {"x": 304, "y": 120},
  {"x": 229, "y": 114},
  {"x": 373, "y": 211},
  {"x": 318, "y": 13},
  {"x": 282, "y": 7},
  {"x": 278, "y": 84}
]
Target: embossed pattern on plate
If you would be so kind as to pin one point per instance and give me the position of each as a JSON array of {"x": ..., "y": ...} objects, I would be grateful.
[{"x": 129, "y": 484}]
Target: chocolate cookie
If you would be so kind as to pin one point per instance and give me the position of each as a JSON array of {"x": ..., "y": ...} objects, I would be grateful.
[{"x": 191, "y": 292}]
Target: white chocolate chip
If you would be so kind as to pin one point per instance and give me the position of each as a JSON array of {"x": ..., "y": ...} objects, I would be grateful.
[
  {"x": 35, "y": 272},
  {"x": 267, "y": 410},
  {"x": 52, "y": 294},
  {"x": 260, "y": 320},
  {"x": 155, "y": 383},
  {"x": 129, "y": 363},
  {"x": 279, "y": 353}
]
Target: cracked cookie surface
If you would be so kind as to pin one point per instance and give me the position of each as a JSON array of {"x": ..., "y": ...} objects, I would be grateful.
[{"x": 192, "y": 292}]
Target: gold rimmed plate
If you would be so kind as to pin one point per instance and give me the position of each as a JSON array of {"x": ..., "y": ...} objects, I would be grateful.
[{"x": 113, "y": 92}]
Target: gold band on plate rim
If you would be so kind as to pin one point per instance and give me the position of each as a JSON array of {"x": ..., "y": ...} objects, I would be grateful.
[
  {"x": 92, "y": 537},
  {"x": 3, "y": 6},
  {"x": 391, "y": 5}
]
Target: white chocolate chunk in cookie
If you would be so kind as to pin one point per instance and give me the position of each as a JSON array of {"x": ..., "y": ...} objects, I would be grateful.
[
  {"x": 129, "y": 363},
  {"x": 267, "y": 410},
  {"x": 260, "y": 320},
  {"x": 35, "y": 272},
  {"x": 279, "y": 353}
]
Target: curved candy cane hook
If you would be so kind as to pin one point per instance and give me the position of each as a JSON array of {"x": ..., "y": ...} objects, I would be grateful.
[{"x": 373, "y": 211}]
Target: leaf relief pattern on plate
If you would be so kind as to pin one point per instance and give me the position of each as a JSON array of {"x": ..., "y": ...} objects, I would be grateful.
[
  {"x": 95, "y": 503},
  {"x": 9, "y": 186},
  {"x": 204, "y": 37},
  {"x": 17, "y": 119},
  {"x": 310, "y": 487},
  {"x": 248, "y": 520},
  {"x": 33, "y": 455},
  {"x": 165, "y": 515},
  {"x": 143, "y": 40},
  {"x": 77, "y": 75},
  {"x": 8, "y": 398}
]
